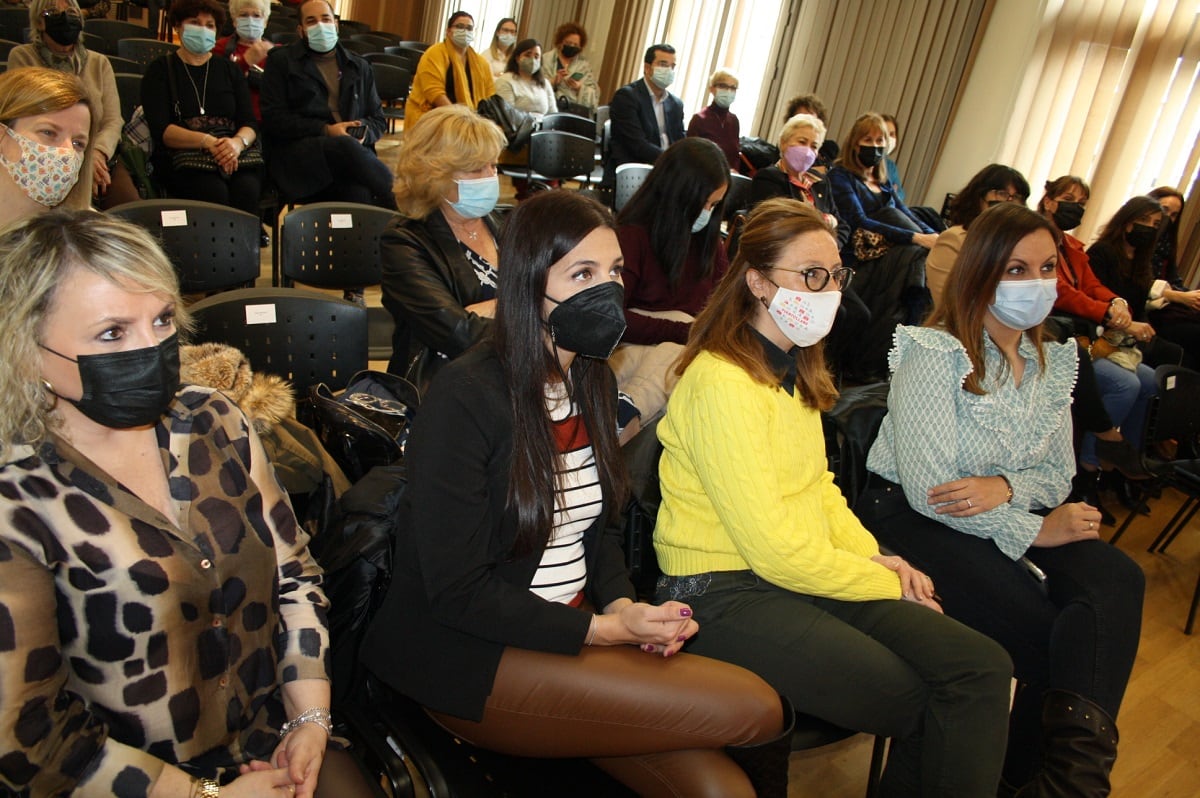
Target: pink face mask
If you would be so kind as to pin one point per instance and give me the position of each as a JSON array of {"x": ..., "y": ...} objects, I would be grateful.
[
  {"x": 46, "y": 174},
  {"x": 799, "y": 159}
]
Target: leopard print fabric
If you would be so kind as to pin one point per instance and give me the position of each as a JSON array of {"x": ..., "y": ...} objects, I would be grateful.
[{"x": 126, "y": 641}]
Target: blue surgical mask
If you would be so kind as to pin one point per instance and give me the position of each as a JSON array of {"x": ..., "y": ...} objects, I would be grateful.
[
  {"x": 724, "y": 97},
  {"x": 702, "y": 220},
  {"x": 507, "y": 39},
  {"x": 1024, "y": 304},
  {"x": 461, "y": 37},
  {"x": 663, "y": 76},
  {"x": 250, "y": 28},
  {"x": 322, "y": 36},
  {"x": 198, "y": 39},
  {"x": 476, "y": 197}
]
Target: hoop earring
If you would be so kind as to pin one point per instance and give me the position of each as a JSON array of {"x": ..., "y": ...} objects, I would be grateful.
[{"x": 52, "y": 399}]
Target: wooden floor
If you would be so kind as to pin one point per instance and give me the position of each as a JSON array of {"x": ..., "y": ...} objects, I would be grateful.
[{"x": 1160, "y": 719}]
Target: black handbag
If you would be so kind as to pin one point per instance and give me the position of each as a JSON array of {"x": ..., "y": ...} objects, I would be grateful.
[
  {"x": 366, "y": 425},
  {"x": 218, "y": 126},
  {"x": 517, "y": 125}
]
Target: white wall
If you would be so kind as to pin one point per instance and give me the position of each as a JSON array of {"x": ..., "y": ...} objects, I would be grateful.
[{"x": 977, "y": 130}]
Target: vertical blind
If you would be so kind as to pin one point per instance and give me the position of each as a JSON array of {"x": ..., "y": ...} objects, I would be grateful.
[{"x": 1111, "y": 95}]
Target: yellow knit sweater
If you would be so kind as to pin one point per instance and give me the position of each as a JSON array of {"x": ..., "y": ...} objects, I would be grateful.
[{"x": 745, "y": 485}]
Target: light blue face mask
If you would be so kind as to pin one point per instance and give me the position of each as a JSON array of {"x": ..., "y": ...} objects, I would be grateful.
[
  {"x": 476, "y": 197},
  {"x": 702, "y": 220},
  {"x": 663, "y": 76},
  {"x": 1024, "y": 304},
  {"x": 322, "y": 36},
  {"x": 250, "y": 28},
  {"x": 198, "y": 39},
  {"x": 724, "y": 97}
]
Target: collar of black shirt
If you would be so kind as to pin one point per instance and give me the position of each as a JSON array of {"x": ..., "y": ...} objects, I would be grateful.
[{"x": 781, "y": 362}]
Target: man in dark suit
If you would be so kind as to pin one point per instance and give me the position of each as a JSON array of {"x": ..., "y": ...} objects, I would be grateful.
[{"x": 646, "y": 118}]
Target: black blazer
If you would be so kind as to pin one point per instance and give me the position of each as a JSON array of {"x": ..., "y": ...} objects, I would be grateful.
[
  {"x": 771, "y": 181},
  {"x": 427, "y": 284},
  {"x": 458, "y": 596},
  {"x": 295, "y": 108},
  {"x": 634, "y": 134}
]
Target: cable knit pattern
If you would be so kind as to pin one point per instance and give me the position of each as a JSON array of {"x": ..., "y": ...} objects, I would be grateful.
[
  {"x": 936, "y": 432},
  {"x": 746, "y": 485}
]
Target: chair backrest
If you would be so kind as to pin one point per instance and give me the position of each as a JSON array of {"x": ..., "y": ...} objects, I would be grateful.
[
  {"x": 13, "y": 22},
  {"x": 129, "y": 89},
  {"x": 850, "y": 429},
  {"x": 737, "y": 198},
  {"x": 350, "y": 27},
  {"x": 96, "y": 44},
  {"x": 357, "y": 47},
  {"x": 376, "y": 41},
  {"x": 389, "y": 59},
  {"x": 1176, "y": 411},
  {"x": 630, "y": 177},
  {"x": 302, "y": 336},
  {"x": 6, "y": 47},
  {"x": 571, "y": 123},
  {"x": 126, "y": 67},
  {"x": 412, "y": 54},
  {"x": 112, "y": 31},
  {"x": 332, "y": 244},
  {"x": 391, "y": 82},
  {"x": 144, "y": 50},
  {"x": 213, "y": 247},
  {"x": 414, "y": 45},
  {"x": 282, "y": 36},
  {"x": 602, "y": 127},
  {"x": 555, "y": 154}
]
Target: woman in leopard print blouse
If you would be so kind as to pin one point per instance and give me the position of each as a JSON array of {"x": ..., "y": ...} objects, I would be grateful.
[{"x": 160, "y": 616}]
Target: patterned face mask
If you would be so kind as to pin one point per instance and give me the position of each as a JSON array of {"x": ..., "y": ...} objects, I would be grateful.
[{"x": 46, "y": 174}]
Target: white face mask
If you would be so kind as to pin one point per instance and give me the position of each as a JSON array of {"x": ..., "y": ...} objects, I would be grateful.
[
  {"x": 663, "y": 76},
  {"x": 804, "y": 317},
  {"x": 1024, "y": 304},
  {"x": 891, "y": 145},
  {"x": 702, "y": 220},
  {"x": 507, "y": 39}
]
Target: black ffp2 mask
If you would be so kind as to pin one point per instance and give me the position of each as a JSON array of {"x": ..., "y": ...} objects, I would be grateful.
[
  {"x": 63, "y": 28},
  {"x": 591, "y": 322}
]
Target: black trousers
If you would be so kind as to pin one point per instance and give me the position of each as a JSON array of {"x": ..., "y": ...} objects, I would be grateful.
[
  {"x": 884, "y": 667},
  {"x": 239, "y": 190},
  {"x": 360, "y": 176},
  {"x": 1078, "y": 631}
]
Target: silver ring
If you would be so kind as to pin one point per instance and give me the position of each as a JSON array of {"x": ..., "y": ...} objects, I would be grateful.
[{"x": 968, "y": 501}]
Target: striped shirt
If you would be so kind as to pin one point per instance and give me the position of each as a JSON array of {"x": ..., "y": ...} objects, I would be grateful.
[{"x": 562, "y": 572}]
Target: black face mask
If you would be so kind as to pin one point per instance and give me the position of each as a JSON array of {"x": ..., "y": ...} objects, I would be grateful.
[
  {"x": 128, "y": 389},
  {"x": 63, "y": 28},
  {"x": 1141, "y": 236},
  {"x": 1069, "y": 215},
  {"x": 869, "y": 156},
  {"x": 570, "y": 50},
  {"x": 591, "y": 322}
]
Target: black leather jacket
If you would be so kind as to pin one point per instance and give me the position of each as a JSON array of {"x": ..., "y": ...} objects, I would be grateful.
[{"x": 427, "y": 284}]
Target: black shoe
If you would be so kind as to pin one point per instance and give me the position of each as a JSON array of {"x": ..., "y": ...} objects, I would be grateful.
[
  {"x": 264, "y": 240},
  {"x": 1123, "y": 457},
  {"x": 1129, "y": 493}
]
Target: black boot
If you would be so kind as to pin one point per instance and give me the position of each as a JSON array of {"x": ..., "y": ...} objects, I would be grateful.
[
  {"x": 1079, "y": 747},
  {"x": 1123, "y": 457},
  {"x": 766, "y": 764}
]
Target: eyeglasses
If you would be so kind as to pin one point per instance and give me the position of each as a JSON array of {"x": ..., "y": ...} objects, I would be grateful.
[
  {"x": 729, "y": 86},
  {"x": 463, "y": 27},
  {"x": 1003, "y": 196},
  {"x": 817, "y": 277}
]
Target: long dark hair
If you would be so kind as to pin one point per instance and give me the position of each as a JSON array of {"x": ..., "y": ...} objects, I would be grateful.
[
  {"x": 1169, "y": 237},
  {"x": 672, "y": 197},
  {"x": 513, "y": 68},
  {"x": 966, "y": 205},
  {"x": 538, "y": 234},
  {"x": 971, "y": 287},
  {"x": 1136, "y": 268}
]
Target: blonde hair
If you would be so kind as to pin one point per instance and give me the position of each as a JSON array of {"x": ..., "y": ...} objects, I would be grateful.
[
  {"x": 237, "y": 6},
  {"x": 802, "y": 120},
  {"x": 446, "y": 140},
  {"x": 36, "y": 255},
  {"x": 723, "y": 73},
  {"x": 864, "y": 125},
  {"x": 30, "y": 91}
]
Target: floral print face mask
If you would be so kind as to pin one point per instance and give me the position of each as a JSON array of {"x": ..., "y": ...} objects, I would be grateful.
[{"x": 46, "y": 174}]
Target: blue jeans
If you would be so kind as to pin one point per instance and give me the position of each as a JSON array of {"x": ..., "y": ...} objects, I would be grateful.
[{"x": 1126, "y": 396}]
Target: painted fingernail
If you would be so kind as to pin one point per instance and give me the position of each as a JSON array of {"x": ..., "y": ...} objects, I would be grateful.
[
  {"x": 680, "y": 639},
  {"x": 649, "y": 649},
  {"x": 685, "y": 613}
]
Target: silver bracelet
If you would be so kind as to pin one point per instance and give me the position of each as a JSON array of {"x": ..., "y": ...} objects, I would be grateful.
[
  {"x": 318, "y": 715},
  {"x": 592, "y": 635}
]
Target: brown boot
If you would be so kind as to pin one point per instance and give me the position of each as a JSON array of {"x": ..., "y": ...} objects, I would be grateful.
[{"x": 1079, "y": 746}]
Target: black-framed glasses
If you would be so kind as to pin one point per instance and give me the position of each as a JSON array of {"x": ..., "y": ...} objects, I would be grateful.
[{"x": 817, "y": 277}]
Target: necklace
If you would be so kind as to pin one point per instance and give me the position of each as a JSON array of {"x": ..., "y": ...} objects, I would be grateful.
[{"x": 200, "y": 98}]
